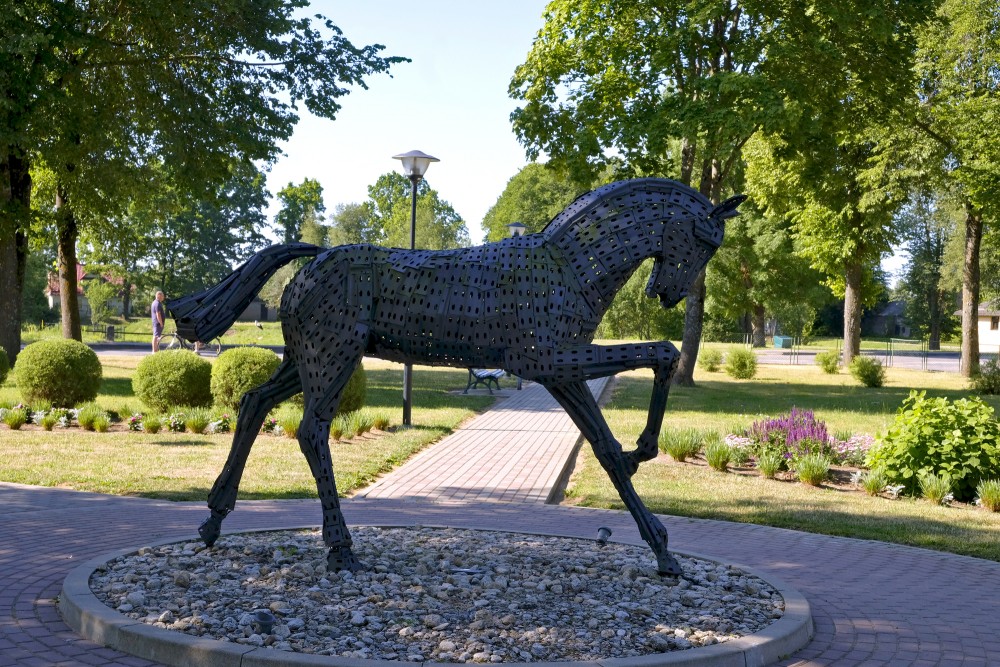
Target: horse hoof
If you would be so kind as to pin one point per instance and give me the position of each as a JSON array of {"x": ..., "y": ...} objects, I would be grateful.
[
  {"x": 667, "y": 566},
  {"x": 342, "y": 558},
  {"x": 210, "y": 529}
]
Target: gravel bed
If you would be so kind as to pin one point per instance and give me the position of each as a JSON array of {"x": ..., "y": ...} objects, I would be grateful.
[{"x": 445, "y": 595}]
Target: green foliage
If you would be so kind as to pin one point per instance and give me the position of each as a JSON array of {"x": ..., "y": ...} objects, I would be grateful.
[
  {"x": 770, "y": 464},
  {"x": 812, "y": 469},
  {"x": 171, "y": 378},
  {"x": 300, "y": 204},
  {"x": 987, "y": 380},
  {"x": 4, "y": 365},
  {"x": 632, "y": 314},
  {"x": 88, "y": 415},
  {"x": 718, "y": 455},
  {"x": 382, "y": 420},
  {"x": 710, "y": 359},
  {"x": 957, "y": 440},
  {"x": 874, "y": 481},
  {"x": 238, "y": 370},
  {"x": 15, "y": 418},
  {"x": 359, "y": 422},
  {"x": 99, "y": 296},
  {"x": 867, "y": 370},
  {"x": 935, "y": 488},
  {"x": 829, "y": 361},
  {"x": 288, "y": 421},
  {"x": 352, "y": 223},
  {"x": 353, "y": 396},
  {"x": 532, "y": 197},
  {"x": 197, "y": 420},
  {"x": 63, "y": 372},
  {"x": 438, "y": 227},
  {"x": 680, "y": 443},
  {"x": 49, "y": 421},
  {"x": 152, "y": 423},
  {"x": 988, "y": 494},
  {"x": 739, "y": 456},
  {"x": 102, "y": 422},
  {"x": 741, "y": 363}
]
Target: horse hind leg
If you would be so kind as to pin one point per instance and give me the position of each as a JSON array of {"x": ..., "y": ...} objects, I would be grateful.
[
  {"x": 579, "y": 403},
  {"x": 254, "y": 406}
]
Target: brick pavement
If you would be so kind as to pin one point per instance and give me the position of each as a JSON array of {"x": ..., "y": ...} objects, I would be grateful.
[{"x": 873, "y": 603}]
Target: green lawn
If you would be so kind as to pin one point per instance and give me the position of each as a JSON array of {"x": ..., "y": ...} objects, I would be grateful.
[
  {"x": 183, "y": 466},
  {"x": 718, "y": 402}
]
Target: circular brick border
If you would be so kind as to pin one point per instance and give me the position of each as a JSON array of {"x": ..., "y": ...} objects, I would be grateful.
[{"x": 89, "y": 617}]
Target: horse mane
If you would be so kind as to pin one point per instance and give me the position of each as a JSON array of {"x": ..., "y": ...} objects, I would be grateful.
[{"x": 620, "y": 195}]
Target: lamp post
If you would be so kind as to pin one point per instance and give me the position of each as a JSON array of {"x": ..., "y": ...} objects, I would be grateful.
[
  {"x": 517, "y": 228},
  {"x": 415, "y": 165}
]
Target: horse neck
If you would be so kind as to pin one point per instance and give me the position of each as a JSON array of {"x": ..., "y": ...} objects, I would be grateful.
[{"x": 603, "y": 256}]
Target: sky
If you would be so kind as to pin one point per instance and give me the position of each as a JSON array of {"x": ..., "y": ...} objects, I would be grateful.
[{"x": 450, "y": 102}]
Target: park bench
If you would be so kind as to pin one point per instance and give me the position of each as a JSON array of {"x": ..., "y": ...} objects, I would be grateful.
[{"x": 485, "y": 377}]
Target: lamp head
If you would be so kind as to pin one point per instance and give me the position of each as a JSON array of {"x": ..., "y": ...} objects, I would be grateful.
[{"x": 415, "y": 163}]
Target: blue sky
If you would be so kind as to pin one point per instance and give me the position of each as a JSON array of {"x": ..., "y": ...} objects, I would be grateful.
[{"x": 450, "y": 102}]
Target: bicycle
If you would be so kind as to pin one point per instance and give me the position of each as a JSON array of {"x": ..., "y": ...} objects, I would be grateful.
[{"x": 174, "y": 341}]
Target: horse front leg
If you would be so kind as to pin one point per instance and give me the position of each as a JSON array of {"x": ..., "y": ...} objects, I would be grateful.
[
  {"x": 579, "y": 403},
  {"x": 254, "y": 406}
]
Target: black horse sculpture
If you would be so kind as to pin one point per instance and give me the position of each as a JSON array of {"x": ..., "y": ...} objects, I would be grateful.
[{"x": 529, "y": 305}]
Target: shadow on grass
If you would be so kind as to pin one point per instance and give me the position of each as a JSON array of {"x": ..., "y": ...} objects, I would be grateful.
[
  {"x": 192, "y": 442},
  {"x": 200, "y": 494},
  {"x": 117, "y": 387}
]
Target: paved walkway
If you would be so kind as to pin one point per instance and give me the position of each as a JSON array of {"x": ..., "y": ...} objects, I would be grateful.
[{"x": 873, "y": 603}]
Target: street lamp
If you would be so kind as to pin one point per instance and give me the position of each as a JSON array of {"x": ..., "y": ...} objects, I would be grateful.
[
  {"x": 415, "y": 165},
  {"x": 517, "y": 228}
]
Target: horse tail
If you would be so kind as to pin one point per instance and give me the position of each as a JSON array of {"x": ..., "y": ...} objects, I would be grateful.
[{"x": 207, "y": 314}]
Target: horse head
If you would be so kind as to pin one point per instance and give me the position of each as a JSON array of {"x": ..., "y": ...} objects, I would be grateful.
[{"x": 681, "y": 259}]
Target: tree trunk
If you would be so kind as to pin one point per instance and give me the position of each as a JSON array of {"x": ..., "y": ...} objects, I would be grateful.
[
  {"x": 853, "y": 273},
  {"x": 15, "y": 202},
  {"x": 970, "y": 291},
  {"x": 69, "y": 303},
  {"x": 759, "y": 332},
  {"x": 934, "y": 310},
  {"x": 126, "y": 298}
]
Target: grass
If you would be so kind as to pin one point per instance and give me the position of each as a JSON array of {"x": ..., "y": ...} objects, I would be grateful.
[
  {"x": 697, "y": 491},
  {"x": 183, "y": 466}
]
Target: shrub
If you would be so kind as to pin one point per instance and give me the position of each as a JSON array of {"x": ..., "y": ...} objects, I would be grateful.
[
  {"x": 874, "y": 482},
  {"x": 717, "y": 454},
  {"x": 353, "y": 396},
  {"x": 288, "y": 422},
  {"x": 932, "y": 436},
  {"x": 49, "y": 421},
  {"x": 936, "y": 489},
  {"x": 868, "y": 371},
  {"x": 62, "y": 371},
  {"x": 173, "y": 377},
  {"x": 741, "y": 364},
  {"x": 87, "y": 416},
  {"x": 680, "y": 443},
  {"x": 812, "y": 469},
  {"x": 238, "y": 370},
  {"x": 197, "y": 420},
  {"x": 4, "y": 365},
  {"x": 15, "y": 418},
  {"x": 986, "y": 382},
  {"x": 770, "y": 464},
  {"x": 152, "y": 423},
  {"x": 710, "y": 359},
  {"x": 829, "y": 361},
  {"x": 988, "y": 494}
]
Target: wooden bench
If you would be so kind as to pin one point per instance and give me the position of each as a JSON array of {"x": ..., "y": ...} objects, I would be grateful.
[{"x": 485, "y": 377}]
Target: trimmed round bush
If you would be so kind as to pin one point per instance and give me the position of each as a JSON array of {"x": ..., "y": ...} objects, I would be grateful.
[
  {"x": 173, "y": 378},
  {"x": 61, "y": 371},
  {"x": 238, "y": 370},
  {"x": 741, "y": 364},
  {"x": 868, "y": 371},
  {"x": 986, "y": 382},
  {"x": 4, "y": 365},
  {"x": 710, "y": 359},
  {"x": 353, "y": 396},
  {"x": 829, "y": 361}
]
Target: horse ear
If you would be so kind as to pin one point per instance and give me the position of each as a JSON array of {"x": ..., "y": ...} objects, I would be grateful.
[{"x": 727, "y": 209}]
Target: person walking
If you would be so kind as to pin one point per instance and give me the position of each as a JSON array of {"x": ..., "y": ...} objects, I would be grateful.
[{"x": 157, "y": 313}]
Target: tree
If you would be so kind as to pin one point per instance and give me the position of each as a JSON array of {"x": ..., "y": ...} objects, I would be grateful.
[
  {"x": 438, "y": 227},
  {"x": 301, "y": 206},
  {"x": 352, "y": 223},
  {"x": 950, "y": 136},
  {"x": 98, "y": 91},
  {"x": 533, "y": 196},
  {"x": 633, "y": 315},
  {"x": 928, "y": 223},
  {"x": 629, "y": 80},
  {"x": 756, "y": 272}
]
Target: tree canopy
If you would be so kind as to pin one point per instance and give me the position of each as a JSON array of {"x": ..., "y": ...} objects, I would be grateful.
[{"x": 533, "y": 196}]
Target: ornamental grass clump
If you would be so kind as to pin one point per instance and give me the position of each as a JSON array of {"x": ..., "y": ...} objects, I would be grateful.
[
  {"x": 988, "y": 494},
  {"x": 681, "y": 444},
  {"x": 829, "y": 361},
  {"x": 49, "y": 421},
  {"x": 717, "y": 454},
  {"x": 152, "y": 423},
  {"x": 88, "y": 415},
  {"x": 102, "y": 422},
  {"x": 360, "y": 422},
  {"x": 873, "y": 482},
  {"x": 770, "y": 464},
  {"x": 15, "y": 418},
  {"x": 288, "y": 422},
  {"x": 936, "y": 488},
  {"x": 197, "y": 420},
  {"x": 382, "y": 421},
  {"x": 812, "y": 469}
]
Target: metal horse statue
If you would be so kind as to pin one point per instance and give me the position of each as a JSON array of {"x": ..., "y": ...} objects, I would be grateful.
[{"x": 529, "y": 305}]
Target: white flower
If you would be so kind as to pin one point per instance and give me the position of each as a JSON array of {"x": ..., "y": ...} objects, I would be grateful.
[{"x": 894, "y": 490}]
